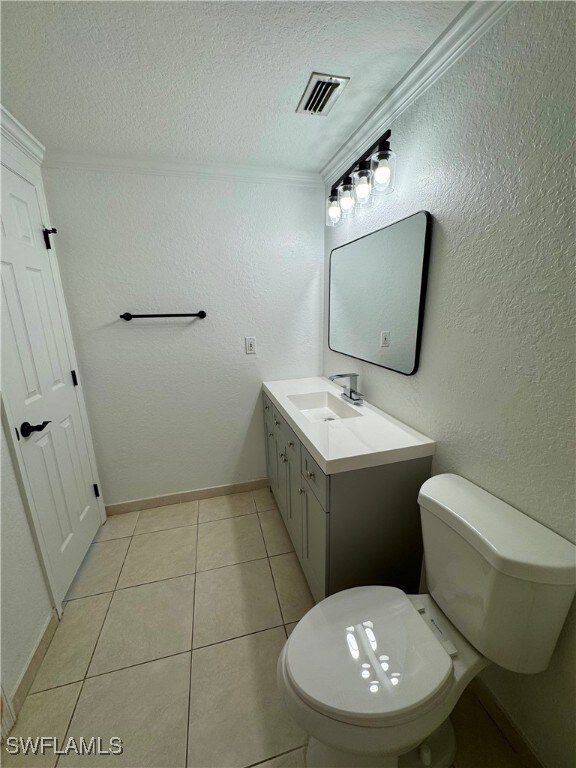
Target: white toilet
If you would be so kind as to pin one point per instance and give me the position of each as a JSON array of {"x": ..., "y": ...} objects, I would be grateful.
[{"x": 372, "y": 674}]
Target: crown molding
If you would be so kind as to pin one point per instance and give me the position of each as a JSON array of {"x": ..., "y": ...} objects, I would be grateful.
[
  {"x": 101, "y": 164},
  {"x": 468, "y": 27},
  {"x": 14, "y": 132}
]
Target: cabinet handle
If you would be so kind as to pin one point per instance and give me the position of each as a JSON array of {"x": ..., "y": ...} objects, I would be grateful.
[
  {"x": 270, "y": 434},
  {"x": 290, "y": 445},
  {"x": 300, "y": 490},
  {"x": 266, "y": 407},
  {"x": 283, "y": 457},
  {"x": 310, "y": 475},
  {"x": 277, "y": 423}
]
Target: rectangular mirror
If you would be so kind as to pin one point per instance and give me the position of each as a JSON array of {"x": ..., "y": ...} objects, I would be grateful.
[{"x": 377, "y": 290}]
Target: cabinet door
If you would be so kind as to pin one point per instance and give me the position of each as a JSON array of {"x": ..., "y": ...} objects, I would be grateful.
[
  {"x": 267, "y": 406},
  {"x": 271, "y": 462},
  {"x": 294, "y": 518},
  {"x": 281, "y": 440},
  {"x": 314, "y": 543}
]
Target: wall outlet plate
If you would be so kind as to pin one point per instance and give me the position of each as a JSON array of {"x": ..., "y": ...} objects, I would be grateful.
[{"x": 385, "y": 339}]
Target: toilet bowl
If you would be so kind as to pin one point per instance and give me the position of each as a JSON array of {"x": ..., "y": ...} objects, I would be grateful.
[{"x": 372, "y": 674}]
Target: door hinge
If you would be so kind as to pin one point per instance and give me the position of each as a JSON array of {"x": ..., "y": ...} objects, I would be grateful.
[
  {"x": 96, "y": 490},
  {"x": 74, "y": 378},
  {"x": 47, "y": 233}
]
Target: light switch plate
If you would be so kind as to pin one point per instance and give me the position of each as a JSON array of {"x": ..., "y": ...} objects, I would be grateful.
[
  {"x": 250, "y": 343},
  {"x": 385, "y": 339}
]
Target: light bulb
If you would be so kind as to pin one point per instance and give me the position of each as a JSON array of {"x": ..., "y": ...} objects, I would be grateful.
[
  {"x": 362, "y": 178},
  {"x": 346, "y": 196},
  {"x": 382, "y": 173},
  {"x": 333, "y": 210},
  {"x": 363, "y": 189},
  {"x": 383, "y": 164},
  {"x": 346, "y": 203}
]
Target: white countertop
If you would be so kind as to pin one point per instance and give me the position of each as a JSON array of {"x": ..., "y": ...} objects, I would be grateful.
[{"x": 372, "y": 439}]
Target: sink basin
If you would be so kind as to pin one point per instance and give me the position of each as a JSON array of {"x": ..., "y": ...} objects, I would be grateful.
[{"x": 323, "y": 406}]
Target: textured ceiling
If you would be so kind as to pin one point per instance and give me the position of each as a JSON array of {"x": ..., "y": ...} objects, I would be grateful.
[{"x": 205, "y": 82}]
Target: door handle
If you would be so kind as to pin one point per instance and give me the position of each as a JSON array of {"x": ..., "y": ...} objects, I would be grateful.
[{"x": 26, "y": 428}]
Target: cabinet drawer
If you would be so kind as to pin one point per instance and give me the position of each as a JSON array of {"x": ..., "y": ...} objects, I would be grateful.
[{"x": 317, "y": 480}]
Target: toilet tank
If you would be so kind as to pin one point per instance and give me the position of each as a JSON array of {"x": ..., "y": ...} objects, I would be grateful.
[{"x": 504, "y": 580}]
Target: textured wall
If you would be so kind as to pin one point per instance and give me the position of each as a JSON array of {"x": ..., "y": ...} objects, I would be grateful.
[
  {"x": 174, "y": 405},
  {"x": 487, "y": 151},
  {"x": 26, "y": 605}
]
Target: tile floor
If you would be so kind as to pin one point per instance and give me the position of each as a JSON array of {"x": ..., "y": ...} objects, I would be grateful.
[{"x": 169, "y": 640}]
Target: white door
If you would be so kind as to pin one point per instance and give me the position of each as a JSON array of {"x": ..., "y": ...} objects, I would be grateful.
[{"x": 38, "y": 387}]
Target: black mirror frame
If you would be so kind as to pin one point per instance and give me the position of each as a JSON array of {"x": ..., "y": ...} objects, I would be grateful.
[{"x": 423, "y": 286}]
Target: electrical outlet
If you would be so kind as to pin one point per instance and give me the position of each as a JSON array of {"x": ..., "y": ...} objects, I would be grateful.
[
  {"x": 250, "y": 343},
  {"x": 385, "y": 339}
]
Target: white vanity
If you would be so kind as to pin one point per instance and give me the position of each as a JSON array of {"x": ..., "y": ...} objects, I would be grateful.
[{"x": 346, "y": 480}]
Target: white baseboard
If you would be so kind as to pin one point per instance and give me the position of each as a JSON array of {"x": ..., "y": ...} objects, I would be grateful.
[
  {"x": 514, "y": 737},
  {"x": 33, "y": 665},
  {"x": 177, "y": 498}
]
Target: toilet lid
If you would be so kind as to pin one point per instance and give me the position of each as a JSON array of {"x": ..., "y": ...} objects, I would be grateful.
[{"x": 366, "y": 656}]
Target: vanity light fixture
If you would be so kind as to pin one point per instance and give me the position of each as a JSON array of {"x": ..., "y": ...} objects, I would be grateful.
[
  {"x": 333, "y": 210},
  {"x": 372, "y": 174}
]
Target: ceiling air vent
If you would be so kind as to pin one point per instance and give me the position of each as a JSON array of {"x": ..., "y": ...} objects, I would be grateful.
[{"x": 321, "y": 93}]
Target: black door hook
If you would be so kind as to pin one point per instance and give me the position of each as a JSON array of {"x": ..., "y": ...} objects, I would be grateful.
[{"x": 26, "y": 428}]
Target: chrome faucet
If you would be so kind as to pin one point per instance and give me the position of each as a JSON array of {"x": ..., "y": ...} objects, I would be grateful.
[{"x": 350, "y": 393}]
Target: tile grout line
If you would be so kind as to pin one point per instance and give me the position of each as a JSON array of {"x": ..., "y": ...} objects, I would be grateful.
[
  {"x": 230, "y": 565},
  {"x": 273, "y": 757},
  {"x": 176, "y": 527},
  {"x": 238, "y": 637},
  {"x": 157, "y": 658},
  {"x": 167, "y": 578},
  {"x": 192, "y": 645},
  {"x": 136, "y": 664},
  {"x": 94, "y": 649},
  {"x": 155, "y": 581},
  {"x": 194, "y": 573},
  {"x": 180, "y": 576},
  {"x": 272, "y": 575}
]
